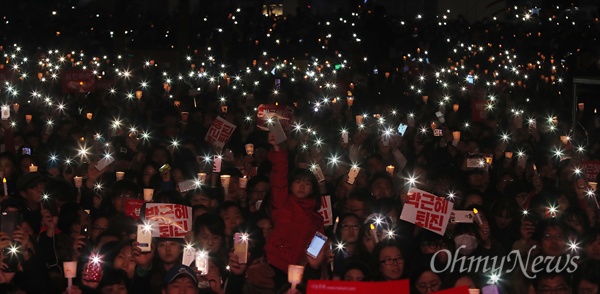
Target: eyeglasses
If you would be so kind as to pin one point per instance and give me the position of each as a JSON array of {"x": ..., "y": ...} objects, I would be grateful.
[
  {"x": 125, "y": 196},
  {"x": 587, "y": 291},
  {"x": 549, "y": 237},
  {"x": 353, "y": 227},
  {"x": 390, "y": 261},
  {"x": 431, "y": 286},
  {"x": 559, "y": 290}
]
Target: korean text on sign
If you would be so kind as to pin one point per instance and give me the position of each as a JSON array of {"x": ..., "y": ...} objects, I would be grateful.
[
  {"x": 219, "y": 132},
  {"x": 173, "y": 220},
  {"x": 326, "y": 211},
  {"x": 427, "y": 210},
  {"x": 591, "y": 170}
]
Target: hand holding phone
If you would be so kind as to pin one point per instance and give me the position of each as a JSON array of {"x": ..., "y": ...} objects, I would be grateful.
[
  {"x": 316, "y": 245},
  {"x": 352, "y": 174},
  {"x": 93, "y": 270},
  {"x": 104, "y": 162},
  {"x": 189, "y": 255}
]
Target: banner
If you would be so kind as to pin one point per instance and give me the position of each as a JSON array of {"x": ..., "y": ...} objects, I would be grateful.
[
  {"x": 427, "y": 211},
  {"x": 219, "y": 132},
  {"x": 326, "y": 211},
  {"x": 172, "y": 220},
  {"x": 458, "y": 290},
  {"x": 133, "y": 207},
  {"x": 591, "y": 170},
  {"x": 284, "y": 113},
  {"x": 78, "y": 81},
  {"x": 329, "y": 287}
]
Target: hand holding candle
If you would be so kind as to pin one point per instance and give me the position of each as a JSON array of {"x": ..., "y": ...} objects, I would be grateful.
[{"x": 476, "y": 212}]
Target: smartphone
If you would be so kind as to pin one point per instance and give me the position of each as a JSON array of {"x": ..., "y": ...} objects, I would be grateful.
[
  {"x": 9, "y": 221},
  {"x": 277, "y": 130},
  {"x": 144, "y": 237},
  {"x": 164, "y": 169},
  {"x": 402, "y": 129},
  {"x": 438, "y": 133},
  {"x": 440, "y": 116},
  {"x": 104, "y": 162},
  {"x": 462, "y": 216},
  {"x": 12, "y": 257},
  {"x": 470, "y": 79},
  {"x": 189, "y": 255},
  {"x": 352, "y": 174},
  {"x": 240, "y": 247},
  {"x": 316, "y": 169},
  {"x": 277, "y": 84},
  {"x": 186, "y": 185},
  {"x": 217, "y": 163},
  {"x": 26, "y": 151},
  {"x": 345, "y": 137},
  {"x": 202, "y": 262},
  {"x": 5, "y": 113},
  {"x": 474, "y": 162},
  {"x": 94, "y": 268},
  {"x": 316, "y": 245}
]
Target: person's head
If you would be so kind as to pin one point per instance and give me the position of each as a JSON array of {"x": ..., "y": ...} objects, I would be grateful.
[
  {"x": 465, "y": 236},
  {"x": 265, "y": 224},
  {"x": 381, "y": 185},
  {"x": 304, "y": 185},
  {"x": 209, "y": 232},
  {"x": 7, "y": 164},
  {"x": 391, "y": 208},
  {"x": 472, "y": 197},
  {"x": 587, "y": 277},
  {"x": 518, "y": 191},
  {"x": 24, "y": 162},
  {"x": 31, "y": 187},
  {"x": 71, "y": 219},
  {"x": 120, "y": 192},
  {"x": 258, "y": 187},
  {"x": 356, "y": 271},
  {"x": 124, "y": 260},
  {"x": 504, "y": 212},
  {"x": 160, "y": 156},
  {"x": 426, "y": 281},
  {"x": 231, "y": 213},
  {"x": 552, "y": 238},
  {"x": 389, "y": 259},
  {"x": 349, "y": 227},
  {"x": 149, "y": 169},
  {"x": 552, "y": 282},
  {"x": 431, "y": 243},
  {"x": 506, "y": 177},
  {"x": 358, "y": 203},
  {"x": 99, "y": 225},
  {"x": 575, "y": 219},
  {"x": 114, "y": 281},
  {"x": 169, "y": 251},
  {"x": 591, "y": 243},
  {"x": 206, "y": 196},
  {"x": 180, "y": 279}
]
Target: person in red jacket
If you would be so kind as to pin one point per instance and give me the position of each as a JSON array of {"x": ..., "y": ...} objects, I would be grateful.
[{"x": 295, "y": 203}]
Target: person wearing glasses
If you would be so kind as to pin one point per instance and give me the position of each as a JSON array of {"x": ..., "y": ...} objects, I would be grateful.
[
  {"x": 587, "y": 278},
  {"x": 389, "y": 261},
  {"x": 426, "y": 281},
  {"x": 552, "y": 283}
]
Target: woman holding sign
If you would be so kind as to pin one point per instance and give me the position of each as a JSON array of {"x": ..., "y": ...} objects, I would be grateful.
[{"x": 295, "y": 204}]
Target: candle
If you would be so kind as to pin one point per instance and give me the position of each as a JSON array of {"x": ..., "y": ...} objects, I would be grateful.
[
  {"x": 225, "y": 180},
  {"x": 138, "y": 94},
  {"x": 456, "y": 136},
  {"x": 243, "y": 182},
  {"x": 350, "y": 101},
  {"x": 78, "y": 181},
  {"x": 16, "y": 107},
  {"x": 224, "y": 108},
  {"x": 201, "y": 177},
  {"x": 89, "y": 115},
  {"x": 70, "y": 270},
  {"x": 476, "y": 212},
  {"x": 359, "y": 120},
  {"x": 176, "y": 103},
  {"x": 148, "y": 194},
  {"x": 33, "y": 168},
  {"x": 593, "y": 185},
  {"x": 5, "y": 187},
  {"x": 411, "y": 120},
  {"x": 184, "y": 116},
  {"x": 374, "y": 233},
  {"x": 508, "y": 154},
  {"x": 28, "y": 118},
  {"x": 335, "y": 225},
  {"x": 390, "y": 169},
  {"x": 455, "y": 107},
  {"x": 580, "y": 105},
  {"x": 295, "y": 273},
  {"x": 120, "y": 175},
  {"x": 564, "y": 139}
]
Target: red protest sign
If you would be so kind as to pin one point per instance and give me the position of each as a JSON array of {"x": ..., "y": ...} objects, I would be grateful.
[
  {"x": 133, "y": 208},
  {"x": 326, "y": 211},
  {"x": 427, "y": 211},
  {"x": 329, "y": 287},
  {"x": 458, "y": 290},
  {"x": 172, "y": 220},
  {"x": 284, "y": 113},
  {"x": 591, "y": 170},
  {"x": 219, "y": 132},
  {"x": 78, "y": 81}
]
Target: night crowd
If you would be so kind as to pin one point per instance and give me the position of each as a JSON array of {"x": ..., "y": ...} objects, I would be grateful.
[{"x": 479, "y": 114}]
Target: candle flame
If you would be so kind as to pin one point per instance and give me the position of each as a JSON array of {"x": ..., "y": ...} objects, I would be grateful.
[{"x": 475, "y": 210}]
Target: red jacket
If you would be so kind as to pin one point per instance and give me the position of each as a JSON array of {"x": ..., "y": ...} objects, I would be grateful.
[{"x": 295, "y": 221}]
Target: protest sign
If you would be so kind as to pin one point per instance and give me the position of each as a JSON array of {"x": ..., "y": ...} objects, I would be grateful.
[
  {"x": 332, "y": 287},
  {"x": 219, "y": 132},
  {"x": 172, "y": 220},
  {"x": 427, "y": 210},
  {"x": 78, "y": 81},
  {"x": 264, "y": 111},
  {"x": 133, "y": 208},
  {"x": 326, "y": 211},
  {"x": 591, "y": 170}
]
